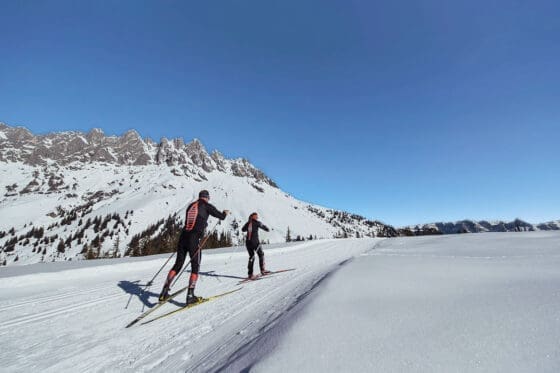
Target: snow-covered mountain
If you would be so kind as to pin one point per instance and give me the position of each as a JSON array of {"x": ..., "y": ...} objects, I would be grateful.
[
  {"x": 470, "y": 226},
  {"x": 17, "y": 144},
  {"x": 73, "y": 195}
]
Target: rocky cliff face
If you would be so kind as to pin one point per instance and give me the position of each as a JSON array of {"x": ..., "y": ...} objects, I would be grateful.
[{"x": 17, "y": 144}]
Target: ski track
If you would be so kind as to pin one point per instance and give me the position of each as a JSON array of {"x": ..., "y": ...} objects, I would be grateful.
[
  {"x": 218, "y": 363},
  {"x": 87, "y": 326},
  {"x": 59, "y": 311},
  {"x": 301, "y": 282},
  {"x": 215, "y": 321},
  {"x": 53, "y": 298}
]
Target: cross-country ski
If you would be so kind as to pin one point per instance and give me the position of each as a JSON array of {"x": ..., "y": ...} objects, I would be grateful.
[
  {"x": 191, "y": 305},
  {"x": 261, "y": 276},
  {"x": 157, "y": 306}
]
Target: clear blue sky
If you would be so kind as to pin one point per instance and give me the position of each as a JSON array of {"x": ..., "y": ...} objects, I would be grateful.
[{"x": 403, "y": 111}]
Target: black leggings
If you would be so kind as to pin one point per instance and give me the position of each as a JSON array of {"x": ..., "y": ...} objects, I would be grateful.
[
  {"x": 251, "y": 249},
  {"x": 188, "y": 242}
]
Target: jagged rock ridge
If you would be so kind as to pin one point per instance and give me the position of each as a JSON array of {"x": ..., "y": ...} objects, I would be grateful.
[{"x": 17, "y": 144}]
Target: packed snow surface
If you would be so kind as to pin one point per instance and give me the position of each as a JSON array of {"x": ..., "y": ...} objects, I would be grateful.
[
  {"x": 463, "y": 303},
  {"x": 485, "y": 302}
]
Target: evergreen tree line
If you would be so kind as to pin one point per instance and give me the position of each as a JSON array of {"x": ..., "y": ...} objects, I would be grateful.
[
  {"x": 143, "y": 243},
  {"x": 100, "y": 225},
  {"x": 154, "y": 240},
  {"x": 298, "y": 237}
]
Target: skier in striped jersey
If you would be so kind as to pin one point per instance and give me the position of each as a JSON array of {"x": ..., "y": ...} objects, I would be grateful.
[
  {"x": 195, "y": 224},
  {"x": 252, "y": 243}
]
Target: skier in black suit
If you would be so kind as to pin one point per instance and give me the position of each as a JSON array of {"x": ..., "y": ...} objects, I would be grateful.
[
  {"x": 195, "y": 224},
  {"x": 252, "y": 243}
]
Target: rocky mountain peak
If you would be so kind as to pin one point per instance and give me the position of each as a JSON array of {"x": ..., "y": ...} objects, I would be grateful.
[
  {"x": 95, "y": 136},
  {"x": 17, "y": 144}
]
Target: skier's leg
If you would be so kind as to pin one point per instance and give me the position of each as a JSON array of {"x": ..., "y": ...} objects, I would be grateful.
[
  {"x": 179, "y": 261},
  {"x": 251, "y": 252},
  {"x": 260, "y": 253},
  {"x": 181, "y": 254},
  {"x": 196, "y": 256}
]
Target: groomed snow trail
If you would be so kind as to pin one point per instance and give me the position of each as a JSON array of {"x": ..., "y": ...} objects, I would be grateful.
[
  {"x": 74, "y": 319},
  {"x": 459, "y": 303}
]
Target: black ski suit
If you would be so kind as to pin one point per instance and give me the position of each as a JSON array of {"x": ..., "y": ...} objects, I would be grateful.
[
  {"x": 195, "y": 224},
  {"x": 253, "y": 245}
]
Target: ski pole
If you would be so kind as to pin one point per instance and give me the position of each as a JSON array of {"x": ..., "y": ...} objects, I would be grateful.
[
  {"x": 200, "y": 246},
  {"x": 162, "y": 267},
  {"x": 149, "y": 283}
]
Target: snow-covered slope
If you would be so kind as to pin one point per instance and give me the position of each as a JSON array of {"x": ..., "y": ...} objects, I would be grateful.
[
  {"x": 461, "y": 303},
  {"x": 69, "y": 194},
  {"x": 74, "y": 319}
]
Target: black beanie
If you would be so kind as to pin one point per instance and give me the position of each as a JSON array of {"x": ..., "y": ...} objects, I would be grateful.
[{"x": 203, "y": 194}]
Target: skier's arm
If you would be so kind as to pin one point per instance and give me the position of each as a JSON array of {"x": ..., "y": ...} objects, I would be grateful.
[
  {"x": 262, "y": 226},
  {"x": 244, "y": 229},
  {"x": 215, "y": 213}
]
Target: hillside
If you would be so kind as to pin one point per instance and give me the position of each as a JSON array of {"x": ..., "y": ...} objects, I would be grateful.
[{"x": 74, "y": 195}]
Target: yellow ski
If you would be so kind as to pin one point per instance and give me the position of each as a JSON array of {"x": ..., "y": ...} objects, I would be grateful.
[{"x": 204, "y": 300}]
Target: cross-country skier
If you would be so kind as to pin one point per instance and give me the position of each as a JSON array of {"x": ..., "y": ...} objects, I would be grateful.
[
  {"x": 195, "y": 224},
  {"x": 253, "y": 245}
]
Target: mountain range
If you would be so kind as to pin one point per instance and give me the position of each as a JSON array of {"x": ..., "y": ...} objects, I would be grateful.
[
  {"x": 75, "y": 195},
  {"x": 471, "y": 226}
]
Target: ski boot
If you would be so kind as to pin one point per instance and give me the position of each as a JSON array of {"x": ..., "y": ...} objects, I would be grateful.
[
  {"x": 191, "y": 298},
  {"x": 164, "y": 294},
  {"x": 264, "y": 272}
]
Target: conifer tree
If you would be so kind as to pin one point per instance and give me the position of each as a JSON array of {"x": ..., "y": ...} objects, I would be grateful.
[{"x": 61, "y": 247}]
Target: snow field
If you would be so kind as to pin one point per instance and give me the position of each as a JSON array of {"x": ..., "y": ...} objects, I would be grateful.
[
  {"x": 462, "y": 303},
  {"x": 74, "y": 319}
]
